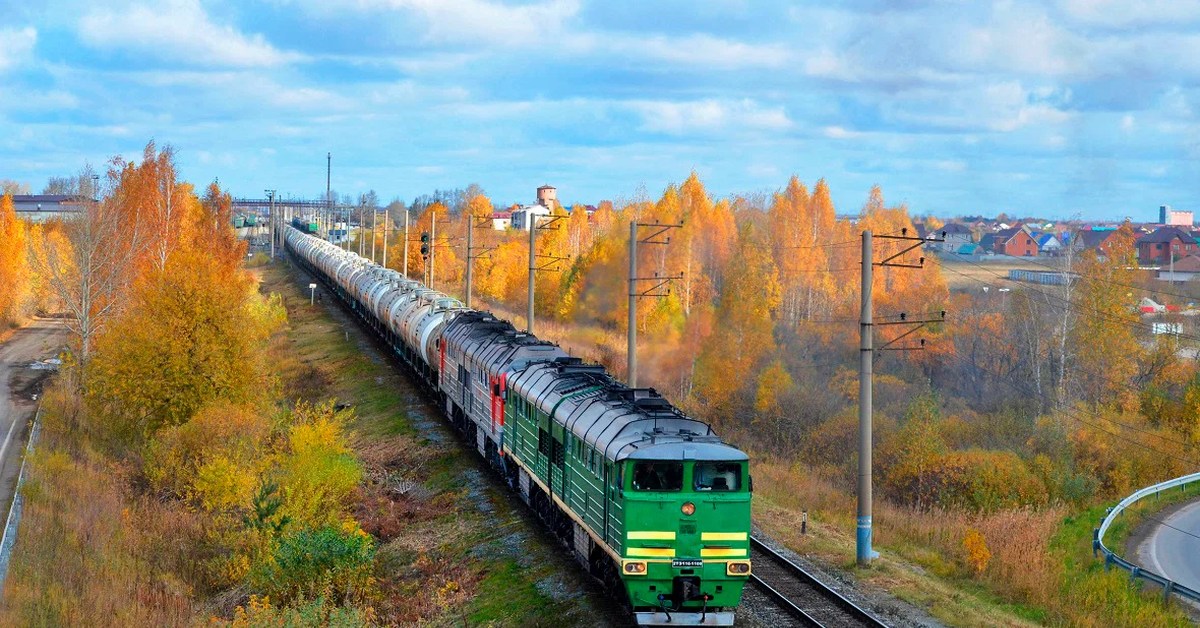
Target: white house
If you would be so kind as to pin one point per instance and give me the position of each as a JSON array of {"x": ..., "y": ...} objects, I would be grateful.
[
  {"x": 1049, "y": 244},
  {"x": 520, "y": 217}
]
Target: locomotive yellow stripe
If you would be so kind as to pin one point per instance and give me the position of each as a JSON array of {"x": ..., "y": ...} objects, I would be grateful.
[
  {"x": 657, "y": 552},
  {"x": 649, "y": 535},
  {"x": 724, "y": 552},
  {"x": 722, "y": 536}
]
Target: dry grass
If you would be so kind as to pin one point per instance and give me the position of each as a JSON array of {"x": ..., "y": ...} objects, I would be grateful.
[
  {"x": 81, "y": 560},
  {"x": 1040, "y": 570}
]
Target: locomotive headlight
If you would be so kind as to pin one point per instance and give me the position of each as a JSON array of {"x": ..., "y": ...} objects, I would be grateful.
[
  {"x": 634, "y": 567},
  {"x": 688, "y": 508},
  {"x": 737, "y": 568}
]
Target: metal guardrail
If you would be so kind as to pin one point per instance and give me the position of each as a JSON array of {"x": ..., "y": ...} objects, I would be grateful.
[
  {"x": 1137, "y": 571},
  {"x": 9, "y": 539}
]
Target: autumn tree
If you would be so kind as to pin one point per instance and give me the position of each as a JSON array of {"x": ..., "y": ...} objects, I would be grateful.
[
  {"x": 192, "y": 334},
  {"x": 1105, "y": 329},
  {"x": 91, "y": 268},
  {"x": 14, "y": 262},
  {"x": 735, "y": 350}
]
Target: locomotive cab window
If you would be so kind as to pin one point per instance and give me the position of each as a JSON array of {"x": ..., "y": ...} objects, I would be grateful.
[
  {"x": 717, "y": 476},
  {"x": 657, "y": 475}
]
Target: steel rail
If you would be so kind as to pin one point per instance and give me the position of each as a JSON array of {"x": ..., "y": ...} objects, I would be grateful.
[
  {"x": 784, "y": 602},
  {"x": 856, "y": 612}
]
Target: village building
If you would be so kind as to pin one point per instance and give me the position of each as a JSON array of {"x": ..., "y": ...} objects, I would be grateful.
[
  {"x": 501, "y": 220},
  {"x": 547, "y": 201},
  {"x": 1175, "y": 217},
  {"x": 1163, "y": 245},
  {"x": 1185, "y": 269},
  {"x": 1096, "y": 240},
  {"x": 1048, "y": 244},
  {"x": 1016, "y": 242},
  {"x": 43, "y": 207}
]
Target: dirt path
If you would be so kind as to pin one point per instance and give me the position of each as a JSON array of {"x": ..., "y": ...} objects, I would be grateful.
[{"x": 19, "y": 384}]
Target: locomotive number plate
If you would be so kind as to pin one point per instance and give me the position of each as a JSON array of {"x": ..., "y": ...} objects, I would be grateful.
[{"x": 687, "y": 562}]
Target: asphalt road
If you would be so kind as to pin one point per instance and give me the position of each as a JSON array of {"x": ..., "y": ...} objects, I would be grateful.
[
  {"x": 1171, "y": 550},
  {"x": 39, "y": 340}
]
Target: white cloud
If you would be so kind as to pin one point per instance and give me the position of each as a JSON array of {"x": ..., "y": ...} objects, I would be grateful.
[
  {"x": 682, "y": 118},
  {"x": 836, "y": 132},
  {"x": 480, "y": 21},
  {"x": 1124, "y": 14},
  {"x": 698, "y": 50},
  {"x": 1020, "y": 39},
  {"x": 180, "y": 30},
  {"x": 16, "y": 46}
]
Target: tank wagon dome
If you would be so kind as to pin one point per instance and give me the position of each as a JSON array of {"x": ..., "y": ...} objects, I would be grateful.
[{"x": 622, "y": 422}]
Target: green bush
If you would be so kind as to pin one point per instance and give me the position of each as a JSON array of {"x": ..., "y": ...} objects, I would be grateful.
[{"x": 324, "y": 562}]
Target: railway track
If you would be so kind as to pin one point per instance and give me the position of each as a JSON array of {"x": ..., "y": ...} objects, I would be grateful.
[{"x": 797, "y": 593}]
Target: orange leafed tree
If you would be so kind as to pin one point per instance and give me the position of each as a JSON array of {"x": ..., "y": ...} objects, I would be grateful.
[
  {"x": 745, "y": 335},
  {"x": 14, "y": 263}
]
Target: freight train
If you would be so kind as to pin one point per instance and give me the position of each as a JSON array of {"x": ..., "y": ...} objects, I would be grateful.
[{"x": 646, "y": 499}]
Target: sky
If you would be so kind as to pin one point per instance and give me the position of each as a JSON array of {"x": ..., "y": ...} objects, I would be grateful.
[{"x": 1054, "y": 108}]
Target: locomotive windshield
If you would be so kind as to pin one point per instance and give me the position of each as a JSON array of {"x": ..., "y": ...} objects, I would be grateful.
[
  {"x": 657, "y": 475},
  {"x": 717, "y": 476}
]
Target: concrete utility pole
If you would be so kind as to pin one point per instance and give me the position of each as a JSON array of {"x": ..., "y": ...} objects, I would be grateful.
[
  {"x": 659, "y": 283},
  {"x": 533, "y": 267},
  {"x": 866, "y": 356},
  {"x": 863, "y": 552},
  {"x": 631, "y": 337},
  {"x": 432, "y": 244},
  {"x": 271, "y": 224},
  {"x": 374, "y": 215},
  {"x": 470, "y": 253},
  {"x": 387, "y": 222},
  {"x": 328, "y": 172},
  {"x": 406, "y": 243},
  {"x": 362, "y": 210}
]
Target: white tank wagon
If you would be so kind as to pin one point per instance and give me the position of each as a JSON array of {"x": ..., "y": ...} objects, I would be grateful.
[{"x": 408, "y": 314}]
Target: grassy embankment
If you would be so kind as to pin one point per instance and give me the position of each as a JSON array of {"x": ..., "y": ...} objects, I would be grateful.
[
  {"x": 1040, "y": 569},
  {"x": 470, "y": 548},
  {"x": 97, "y": 547}
]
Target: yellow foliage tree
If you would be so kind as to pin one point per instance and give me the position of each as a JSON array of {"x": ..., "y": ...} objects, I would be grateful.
[
  {"x": 14, "y": 262},
  {"x": 317, "y": 470},
  {"x": 215, "y": 458},
  {"x": 745, "y": 334},
  {"x": 190, "y": 336},
  {"x": 1104, "y": 334},
  {"x": 773, "y": 383},
  {"x": 977, "y": 553}
]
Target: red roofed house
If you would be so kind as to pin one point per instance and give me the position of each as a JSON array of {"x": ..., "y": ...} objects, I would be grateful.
[
  {"x": 1016, "y": 241},
  {"x": 1164, "y": 244},
  {"x": 1092, "y": 240}
]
